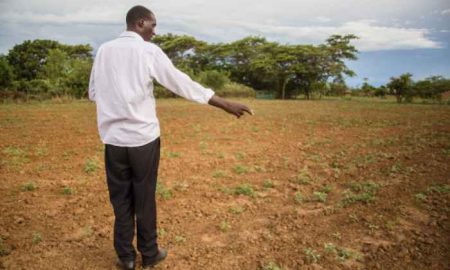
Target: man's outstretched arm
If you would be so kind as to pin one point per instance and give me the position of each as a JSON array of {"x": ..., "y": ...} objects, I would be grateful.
[{"x": 234, "y": 108}]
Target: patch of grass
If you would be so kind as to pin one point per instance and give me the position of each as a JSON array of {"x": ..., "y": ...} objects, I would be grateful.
[
  {"x": 236, "y": 209},
  {"x": 244, "y": 189},
  {"x": 16, "y": 156},
  {"x": 91, "y": 165},
  {"x": 259, "y": 168},
  {"x": 360, "y": 192},
  {"x": 311, "y": 255},
  {"x": 420, "y": 197},
  {"x": 29, "y": 186},
  {"x": 36, "y": 238},
  {"x": 163, "y": 192},
  {"x": 340, "y": 253},
  {"x": 239, "y": 169},
  {"x": 268, "y": 184},
  {"x": 224, "y": 226},
  {"x": 298, "y": 197},
  {"x": 180, "y": 238},
  {"x": 326, "y": 189},
  {"x": 182, "y": 186},
  {"x": 271, "y": 266},
  {"x": 41, "y": 151},
  {"x": 203, "y": 147},
  {"x": 161, "y": 232},
  {"x": 320, "y": 196},
  {"x": 173, "y": 154},
  {"x": 239, "y": 155},
  {"x": 303, "y": 177},
  {"x": 440, "y": 189},
  {"x": 219, "y": 174},
  {"x": 67, "y": 191},
  {"x": 337, "y": 235}
]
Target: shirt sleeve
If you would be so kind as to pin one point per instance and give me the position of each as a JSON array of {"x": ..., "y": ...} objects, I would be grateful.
[
  {"x": 91, "y": 85},
  {"x": 164, "y": 72}
]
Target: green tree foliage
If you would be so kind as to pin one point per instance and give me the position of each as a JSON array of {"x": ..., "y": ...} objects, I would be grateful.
[
  {"x": 401, "y": 87},
  {"x": 6, "y": 72},
  {"x": 432, "y": 87}
]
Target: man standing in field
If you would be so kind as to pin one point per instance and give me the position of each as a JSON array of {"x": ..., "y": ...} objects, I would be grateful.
[{"x": 121, "y": 84}]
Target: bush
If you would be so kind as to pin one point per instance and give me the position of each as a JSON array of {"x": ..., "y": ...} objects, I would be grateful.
[
  {"x": 213, "y": 79},
  {"x": 233, "y": 89}
]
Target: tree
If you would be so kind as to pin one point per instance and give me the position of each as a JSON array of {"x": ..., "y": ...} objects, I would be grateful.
[
  {"x": 432, "y": 87},
  {"x": 401, "y": 87},
  {"x": 6, "y": 73}
]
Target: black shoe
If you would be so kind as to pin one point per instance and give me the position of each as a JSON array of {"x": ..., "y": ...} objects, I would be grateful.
[
  {"x": 147, "y": 263},
  {"x": 127, "y": 265}
]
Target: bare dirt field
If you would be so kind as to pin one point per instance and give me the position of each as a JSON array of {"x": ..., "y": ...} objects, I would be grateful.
[{"x": 325, "y": 184}]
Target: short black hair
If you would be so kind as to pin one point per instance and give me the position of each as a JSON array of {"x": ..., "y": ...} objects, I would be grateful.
[{"x": 136, "y": 13}]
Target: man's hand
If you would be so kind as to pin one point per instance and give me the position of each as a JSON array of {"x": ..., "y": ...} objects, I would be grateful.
[{"x": 234, "y": 108}]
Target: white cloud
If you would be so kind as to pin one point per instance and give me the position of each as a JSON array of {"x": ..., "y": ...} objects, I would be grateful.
[
  {"x": 446, "y": 11},
  {"x": 291, "y": 21}
]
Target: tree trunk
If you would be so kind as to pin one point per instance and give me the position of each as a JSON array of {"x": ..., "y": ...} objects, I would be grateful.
[{"x": 283, "y": 88}]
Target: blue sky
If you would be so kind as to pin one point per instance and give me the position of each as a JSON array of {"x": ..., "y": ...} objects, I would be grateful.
[{"x": 396, "y": 36}]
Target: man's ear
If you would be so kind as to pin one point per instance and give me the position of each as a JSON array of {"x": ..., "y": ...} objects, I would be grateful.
[{"x": 140, "y": 23}]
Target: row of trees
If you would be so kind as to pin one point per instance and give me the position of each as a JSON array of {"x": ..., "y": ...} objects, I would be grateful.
[
  {"x": 45, "y": 68},
  {"x": 405, "y": 89},
  {"x": 49, "y": 68},
  {"x": 285, "y": 70}
]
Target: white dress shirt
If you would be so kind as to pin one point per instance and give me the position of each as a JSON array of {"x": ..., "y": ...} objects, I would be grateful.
[{"x": 121, "y": 85}]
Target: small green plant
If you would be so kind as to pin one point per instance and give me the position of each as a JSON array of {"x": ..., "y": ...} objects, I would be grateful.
[
  {"x": 268, "y": 183},
  {"x": 203, "y": 147},
  {"x": 29, "y": 186},
  {"x": 330, "y": 247},
  {"x": 440, "y": 189},
  {"x": 239, "y": 155},
  {"x": 320, "y": 196},
  {"x": 173, "y": 154},
  {"x": 312, "y": 255},
  {"x": 340, "y": 253},
  {"x": 180, "y": 238},
  {"x": 161, "y": 232},
  {"x": 91, "y": 165},
  {"x": 41, "y": 151},
  {"x": 303, "y": 179},
  {"x": 239, "y": 169},
  {"x": 337, "y": 236},
  {"x": 224, "y": 226},
  {"x": 236, "y": 209},
  {"x": 326, "y": 189},
  {"x": 163, "y": 192},
  {"x": 244, "y": 189},
  {"x": 219, "y": 174},
  {"x": 67, "y": 191},
  {"x": 220, "y": 155},
  {"x": 298, "y": 197},
  {"x": 360, "y": 192},
  {"x": 420, "y": 197},
  {"x": 271, "y": 266},
  {"x": 36, "y": 238}
]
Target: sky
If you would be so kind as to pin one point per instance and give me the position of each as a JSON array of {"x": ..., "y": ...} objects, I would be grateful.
[{"x": 395, "y": 36}]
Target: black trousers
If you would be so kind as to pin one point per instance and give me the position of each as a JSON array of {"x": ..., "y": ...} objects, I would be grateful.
[{"x": 131, "y": 173}]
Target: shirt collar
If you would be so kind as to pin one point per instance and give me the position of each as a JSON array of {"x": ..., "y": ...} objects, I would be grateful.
[{"x": 131, "y": 34}]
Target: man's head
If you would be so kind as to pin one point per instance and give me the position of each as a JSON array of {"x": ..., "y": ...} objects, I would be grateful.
[{"x": 142, "y": 21}]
